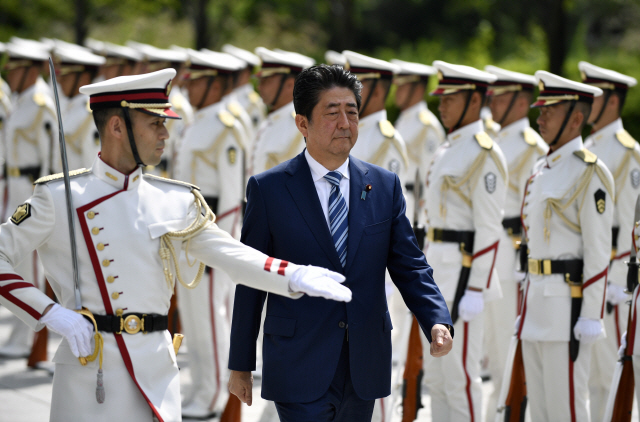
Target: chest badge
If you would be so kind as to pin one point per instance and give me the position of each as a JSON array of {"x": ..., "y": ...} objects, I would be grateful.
[
  {"x": 22, "y": 213},
  {"x": 490, "y": 182},
  {"x": 394, "y": 166},
  {"x": 635, "y": 178},
  {"x": 600, "y": 201},
  {"x": 232, "y": 155}
]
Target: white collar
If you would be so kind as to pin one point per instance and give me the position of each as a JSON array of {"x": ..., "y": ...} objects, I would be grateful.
[
  {"x": 318, "y": 171},
  {"x": 608, "y": 131},
  {"x": 466, "y": 132},
  {"x": 516, "y": 127},
  {"x": 556, "y": 157},
  {"x": 373, "y": 117},
  {"x": 285, "y": 110},
  {"x": 113, "y": 177}
]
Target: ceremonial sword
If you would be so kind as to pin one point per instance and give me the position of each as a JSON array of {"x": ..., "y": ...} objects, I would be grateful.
[{"x": 67, "y": 187}]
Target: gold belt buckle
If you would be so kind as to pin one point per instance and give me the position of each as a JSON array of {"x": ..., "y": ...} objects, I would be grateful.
[
  {"x": 516, "y": 240},
  {"x": 534, "y": 266},
  {"x": 133, "y": 324},
  {"x": 13, "y": 171}
]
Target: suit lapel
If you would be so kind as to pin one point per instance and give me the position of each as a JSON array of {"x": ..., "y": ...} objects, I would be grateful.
[
  {"x": 303, "y": 191},
  {"x": 357, "y": 207}
]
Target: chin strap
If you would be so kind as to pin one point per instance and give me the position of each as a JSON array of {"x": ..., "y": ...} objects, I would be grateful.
[
  {"x": 275, "y": 99},
  {"x": 607, "y": 95},
  {"x": 132, "y": 141},
  {"x": 506, "y": 113},
  {"x": 366, "y": 102},
  {"x": 206, "y": 92},
  {"x": 27, "y": 69},
  {"x": 564, "y": 123},
  {"x": 414, "y": 85},
  {"x": 464, "y": 112}
]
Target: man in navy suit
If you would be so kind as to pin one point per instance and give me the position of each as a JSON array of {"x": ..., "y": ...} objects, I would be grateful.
[{"x": 323, "y": 360}]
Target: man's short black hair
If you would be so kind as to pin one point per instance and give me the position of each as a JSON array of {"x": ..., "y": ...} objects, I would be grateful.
[
  {"x": 313, "y": 80},
  {"x": 102, "y": 116},
  {"x": 584, "y": 109}
]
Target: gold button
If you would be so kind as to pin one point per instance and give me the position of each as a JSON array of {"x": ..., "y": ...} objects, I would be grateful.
[
  {"x": 95, "y": 230},
  {"x": 106, "y": 263},
  {"x": 119, "y": 311},
  {"x": 111, "y": 279},
  {"x": 115, "y": 295},
  {"x": 100, "y": 246},
  {"x": 90, "y": 215}
]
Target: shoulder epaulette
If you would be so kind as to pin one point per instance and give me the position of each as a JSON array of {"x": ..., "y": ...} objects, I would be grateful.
[
  {"x": 235, "y": 109},
  {"x": 226, "y": 118},
  {"x": 425, "y": 118},
  {"x": 530, "y": 137},
  {"x": 586, "y": 156},
  {"x": 52, "y": 177},
  {"x": 39, "y": 99},
  {"x": 254, "y": 97},
  {"x": 625, "y": 139},
  {"x": 484, "y": 140},
  {"x": 177, "y": 102},
  {"x": 387, "y": 129},
  {"x": 293, "y": 114},
  {"x": 172, "y": 181}
]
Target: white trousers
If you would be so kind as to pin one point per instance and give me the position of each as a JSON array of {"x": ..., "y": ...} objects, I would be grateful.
[
  {"x": 557, "y": 388},
  {"x": 454, "y": 380},
  {"x": 205, "y": 322}
]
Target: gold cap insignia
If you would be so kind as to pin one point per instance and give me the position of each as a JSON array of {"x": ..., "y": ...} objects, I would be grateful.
[
  {"x": 22, "y": 213},
  {"x": 168, "y": 88},
  {"x": 541, "y": 86},
  {"x": 232, "y": 154},
  {"x": 600, "y": 201}
]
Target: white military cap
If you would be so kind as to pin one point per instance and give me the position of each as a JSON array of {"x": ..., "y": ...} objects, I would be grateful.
[
  {"x": 119, "y": 54},
  {"x": 365, "y": 67},
  {"x": 453, "y": 78},
  {"x": 24, "y": 54},
  {"x": 555, "y": 89},
  {"x": 509, "y": 81},
  {"x": 244, "y": 55},
  {"x": 148, "y": 93},
  {"x": 94, "y": 45},
  {"x": 158, "y": 58},
  {"x": 2, "y": 47},
  {"x": 412, "y": 72},
  {"x": 76, "y": 59},
  {"x": 30, "y": 44},
  {"x": 333, "y": 57},
  {"x": 604, "y": 78},
  {"x": 64, "y": 44},
  {"x": 211, "y": 63},
  {"x": 280, "y": 62}
]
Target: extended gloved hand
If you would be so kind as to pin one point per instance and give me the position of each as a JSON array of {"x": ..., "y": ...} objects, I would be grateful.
[
  {"x": 616, "y": 294},
  {"x": 72, "y": 326},
  {"x": 587, "y": 330},
  {"x": 317, "y": 281},
  {"x": 516, "y": 325},
  {"x": 623, "y": 345},
  {"x": 471, "y": 305}
]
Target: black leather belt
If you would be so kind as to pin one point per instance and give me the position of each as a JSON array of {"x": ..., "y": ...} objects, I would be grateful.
[
  {"x": 132, "y": 323},
  {"x": 454, "y": 236},
  {"x": 409, "y": 186},
  {"x": 571, "y": 268},
  {"x": 33, "y": 172},
  {"x": 513, "y": 226},
  {"x": 212, "y": 201}
]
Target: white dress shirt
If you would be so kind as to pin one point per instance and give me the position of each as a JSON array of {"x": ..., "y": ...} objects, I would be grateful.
[{"x": 323, "y": 187}]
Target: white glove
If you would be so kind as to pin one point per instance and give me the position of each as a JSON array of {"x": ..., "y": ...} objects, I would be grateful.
[
  {"x": 516, "y": 325},
  {"x": 471, "y": 305},
  {"x": 587, "y": 330},
  {"x": 317, "y": 281},
  {"x": 72, "y": 326},
  {"x": 616, "y": 294},
  {"x": 623, "y": 345},
  {"x": 519, "y": 276}
]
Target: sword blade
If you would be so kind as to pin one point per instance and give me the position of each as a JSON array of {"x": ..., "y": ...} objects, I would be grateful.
[{"x": 67, "y": 187}]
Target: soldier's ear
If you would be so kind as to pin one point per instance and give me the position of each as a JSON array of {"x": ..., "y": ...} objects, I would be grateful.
[
  {"x": 302, "y": 123},
  {"x": 115, "y": 127}
]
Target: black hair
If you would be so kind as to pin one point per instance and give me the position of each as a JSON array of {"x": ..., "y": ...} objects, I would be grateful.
[
  {"x": 102, "y": 116},
  {"x": 585, "y": 110},
  {"x": 313, "y": 80}
]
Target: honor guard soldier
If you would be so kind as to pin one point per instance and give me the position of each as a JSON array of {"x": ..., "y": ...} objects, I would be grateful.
[
  {"x": 567, "y": 213},
  {"x": 246, "y": 95},
  {"x": 621, "y": 154},
  {"x": 130, "y": 229},
  {"x": 510, "y": 97},
  {"x": 30, "y": 138},
  {"x": 154, "y": 59},
  {"x": 418, "y": 126},
  {"x": 277, "y": 139},
  {"x": 380, "y": 143},
  {"x": 5, "y": 110},
  {"x": 121, "y": 60},
  {"x": 465, "y": 192},
  {"x": 77, "y": 67},
  {"x": 211, "y": 156}
]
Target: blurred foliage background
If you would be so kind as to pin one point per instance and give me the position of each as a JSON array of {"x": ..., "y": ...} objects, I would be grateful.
[{"x": 518, "y": 35}]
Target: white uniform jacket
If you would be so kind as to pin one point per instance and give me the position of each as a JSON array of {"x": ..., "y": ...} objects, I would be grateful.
[
  {"x": 80, "y": 133},
  {"x": 567, "y": 212},
  {"x": 251, "y": 101},
  {"x": 381, "y": 144},
  {"x": 211, "y": 156},
  {"x": 621, "y": 154},
  {"x": 277, "y": 140},
  {"x": 465, "y": 191},
  {"x": 423, "y": 134},
  {"x": 236, "y": 109},
  {"x": 31, "y": 136},
  {"x": 119, "y": 220},
  {"x": 5, "y": 110}
]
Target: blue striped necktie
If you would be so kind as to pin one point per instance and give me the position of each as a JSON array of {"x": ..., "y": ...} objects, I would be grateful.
[{"x": 338, "y": 212}]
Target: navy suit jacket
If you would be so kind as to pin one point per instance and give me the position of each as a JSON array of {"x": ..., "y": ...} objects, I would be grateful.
[{"x": 303, "y": 338}]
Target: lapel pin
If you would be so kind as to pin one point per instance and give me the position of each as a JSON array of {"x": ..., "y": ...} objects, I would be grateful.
[{"x": 364, "y": 192}]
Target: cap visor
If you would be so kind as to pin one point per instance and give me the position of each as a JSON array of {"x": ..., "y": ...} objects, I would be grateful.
[{"x": 161, "y": 112}]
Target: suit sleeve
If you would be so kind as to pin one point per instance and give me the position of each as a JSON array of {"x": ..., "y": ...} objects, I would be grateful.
[
  {"x": 248, "y": 303},
  {"x": 410, "y": 271}
]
